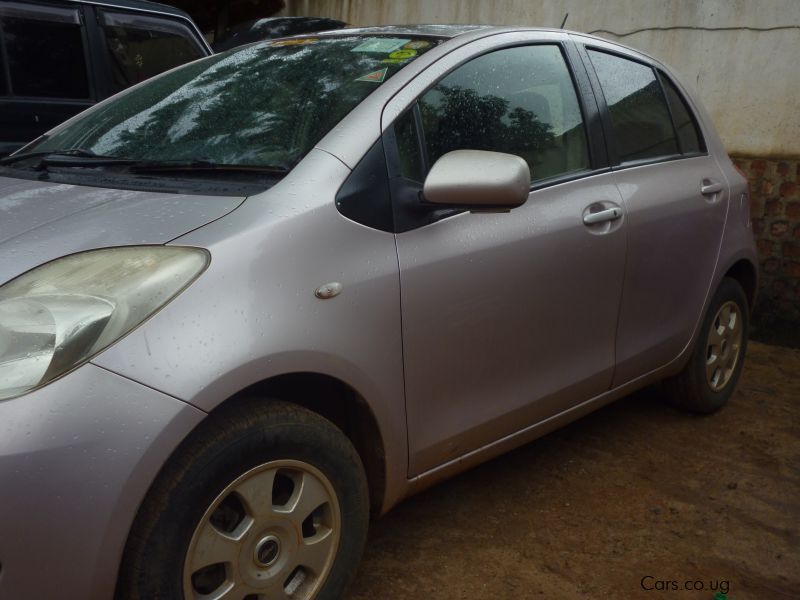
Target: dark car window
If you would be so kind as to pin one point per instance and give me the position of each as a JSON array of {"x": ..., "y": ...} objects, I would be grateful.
[
  {"x": 642, "y": 125},
  {"x": 685, "y": 124},
  {"x": 260, "y": 105},
  {"x": 139, "y": 47},
  {"x": 518, "y": 100},
  {"x": 409, "y": 148},
  {"x": 45, "y": 51}
]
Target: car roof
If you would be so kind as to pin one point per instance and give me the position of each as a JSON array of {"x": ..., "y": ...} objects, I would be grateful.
[
  {"x": 452, "y": 31},
  {"x": 432, "y": 30},
  {"x": 143, "y": 5}
]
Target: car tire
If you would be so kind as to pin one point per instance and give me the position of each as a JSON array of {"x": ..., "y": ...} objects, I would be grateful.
[
  {"x": 235, "y": 495},
  {"x": 709, "y": 378}
]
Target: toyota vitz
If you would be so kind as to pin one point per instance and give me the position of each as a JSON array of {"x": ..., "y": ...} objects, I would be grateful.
[{"x": 264, "y": 295}]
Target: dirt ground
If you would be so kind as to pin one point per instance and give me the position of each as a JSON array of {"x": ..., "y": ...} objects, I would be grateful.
[{"x": 628, "y": 497}]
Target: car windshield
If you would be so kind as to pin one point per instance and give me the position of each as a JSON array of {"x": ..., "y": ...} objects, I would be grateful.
[{"x": 266, "y": 104}]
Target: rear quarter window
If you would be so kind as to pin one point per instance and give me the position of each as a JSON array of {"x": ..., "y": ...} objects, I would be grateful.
[{"x": 689, "y": 136}]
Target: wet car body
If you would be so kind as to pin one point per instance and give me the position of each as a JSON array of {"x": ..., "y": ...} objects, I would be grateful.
[{"x": 452, "y": 337}]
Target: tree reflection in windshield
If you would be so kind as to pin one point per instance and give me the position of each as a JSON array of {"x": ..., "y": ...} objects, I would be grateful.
[{"x": 266, "y": 104}]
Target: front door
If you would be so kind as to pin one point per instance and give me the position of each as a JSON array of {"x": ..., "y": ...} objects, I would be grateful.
[{"x": 507, "y": 318}]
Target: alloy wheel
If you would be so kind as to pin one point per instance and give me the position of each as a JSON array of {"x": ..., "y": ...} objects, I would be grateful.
[
  {"x": 271, "y": 534},
  {"x": 723, "y": 345}
]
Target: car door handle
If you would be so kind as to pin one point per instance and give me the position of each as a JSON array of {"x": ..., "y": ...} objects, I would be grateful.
[
  {"x": 710, "y": 187},
  {"x": 609, "y": 214}
]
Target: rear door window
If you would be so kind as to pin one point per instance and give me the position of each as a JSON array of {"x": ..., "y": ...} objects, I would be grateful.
[
  {"x": 45, "y": 51},
  {"x": 639, "y": 115},
  {"x": 140, "y": 47}
]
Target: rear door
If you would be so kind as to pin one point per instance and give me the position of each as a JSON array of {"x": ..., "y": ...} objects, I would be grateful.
[
  {"x": 507, "y": 318},
  {"x": 46, "y": 76},
  {"x": 676, "y": 199}
]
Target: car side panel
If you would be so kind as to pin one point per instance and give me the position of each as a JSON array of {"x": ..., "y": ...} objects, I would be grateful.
[
  {"x": 507, "y": 319},
  {"x": 674, "y": 243},
  {"x": 254, "y": 315},
  {"x": 76, "y": 459}
]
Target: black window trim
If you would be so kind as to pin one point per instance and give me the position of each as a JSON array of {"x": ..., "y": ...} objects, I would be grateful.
[
  {"x": 127, "y": 18},
  {"x": 154, "y": 11},
  {"x": 100, "y": 41},
  {"x": 701, "y": 140},
  {"x": 615, "y": 163},
  {"x": 45, "y": 11},
  {"x": 599, "y": 159},
  {"x": 420, "y": 131},
  {"x": 6, "y": 73},
  {"x": 678, "y": 142}
]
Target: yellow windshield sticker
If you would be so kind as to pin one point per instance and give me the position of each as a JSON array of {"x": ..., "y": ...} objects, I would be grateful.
[
  {"x": 376, "y": 76},
  {"x": 403, "y": 54},
  {"x": 416, "y": 45}
]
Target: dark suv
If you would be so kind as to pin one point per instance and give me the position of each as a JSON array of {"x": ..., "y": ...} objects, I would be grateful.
[{"x": 58, "y": 58}]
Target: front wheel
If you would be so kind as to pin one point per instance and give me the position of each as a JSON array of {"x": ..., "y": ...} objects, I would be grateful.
[
  {"x": 710, "y": 376},
  {"x": 264, "y": 500}
]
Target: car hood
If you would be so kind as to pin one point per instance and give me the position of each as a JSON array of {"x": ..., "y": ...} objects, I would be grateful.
[{"x": 43, "y": 221}]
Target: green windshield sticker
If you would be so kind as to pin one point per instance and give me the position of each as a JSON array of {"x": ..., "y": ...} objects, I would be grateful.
[
  {"x": 380, "y": 45},
  {"x": 376, "y": 76},
  {"x": 400, "y": 56},
  {"x": 403, "y": 54}
]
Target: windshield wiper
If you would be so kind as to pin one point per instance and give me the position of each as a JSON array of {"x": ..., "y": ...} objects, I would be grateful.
[
  {"x": 79, "y": 157},
  {"x": 81, "y": 152},
  {"x": 202, "y": 165}
]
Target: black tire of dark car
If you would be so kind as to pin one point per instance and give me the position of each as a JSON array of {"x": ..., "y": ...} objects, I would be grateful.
[
  {"x": 229, "y": 444},
  {"x": 690, "y": 390}
]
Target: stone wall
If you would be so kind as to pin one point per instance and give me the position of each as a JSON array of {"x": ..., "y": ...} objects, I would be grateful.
[{"x": 775, "y": 211}]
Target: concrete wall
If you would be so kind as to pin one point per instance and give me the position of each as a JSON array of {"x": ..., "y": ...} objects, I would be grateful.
[{"x": 743, "y": 56}]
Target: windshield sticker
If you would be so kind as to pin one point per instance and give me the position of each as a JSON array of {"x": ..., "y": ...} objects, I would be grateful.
[
  {"x": 403, "y": 54},
  {"x": 376, "y": 76},
  {"x": 416, "y": 45},
  {"x": 400, "y": 56},
  {"x": 298, "y": 42},
  {"x": 380, "y": 45}
]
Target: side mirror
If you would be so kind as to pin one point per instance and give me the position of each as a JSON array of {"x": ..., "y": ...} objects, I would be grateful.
[{"x": 478, "y": 180}]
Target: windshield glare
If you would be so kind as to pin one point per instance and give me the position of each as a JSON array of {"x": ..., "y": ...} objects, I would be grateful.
[{"x": 266, "y": 104}]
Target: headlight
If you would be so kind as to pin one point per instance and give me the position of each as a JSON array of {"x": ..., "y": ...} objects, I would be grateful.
[{"x": 59, "y": 315}]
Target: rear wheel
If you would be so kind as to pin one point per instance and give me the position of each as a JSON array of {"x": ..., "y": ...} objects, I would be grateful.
[
  {"x": 264, "y": 500},
  {"x": 710, "y": 376}
]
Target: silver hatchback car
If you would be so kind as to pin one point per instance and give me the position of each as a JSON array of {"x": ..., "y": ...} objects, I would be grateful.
[{"x": 262, "y": 296}]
